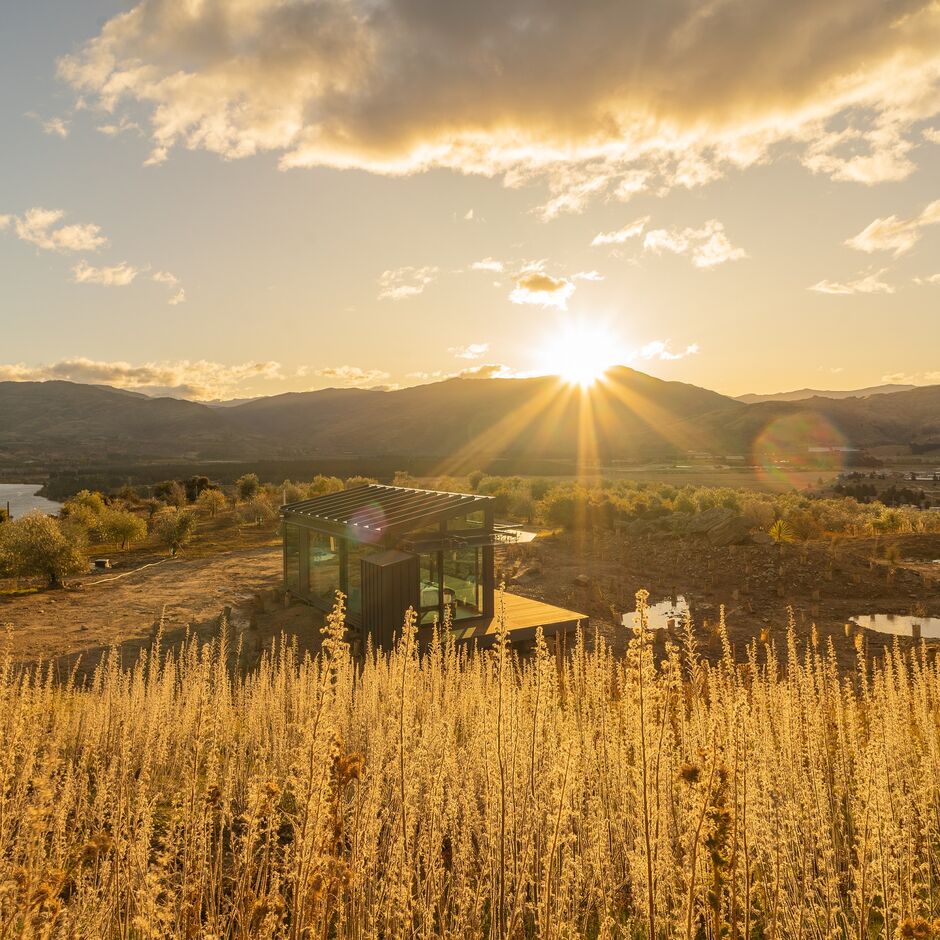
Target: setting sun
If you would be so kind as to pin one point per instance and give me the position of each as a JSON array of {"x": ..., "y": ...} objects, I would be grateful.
[{"x": 579, "y": 354}]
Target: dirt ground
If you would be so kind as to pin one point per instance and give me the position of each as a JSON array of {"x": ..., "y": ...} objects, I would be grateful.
[{"x": 824, "y": 583}]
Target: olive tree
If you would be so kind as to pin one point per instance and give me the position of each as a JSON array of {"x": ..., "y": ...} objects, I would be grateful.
[
  {"x": 37, "y": 545},
  {"x": 211, "y": 502},
  {"x": 123, "y": 527},
  {"x": 247, "y": 486},
  {"x": 174, "y": 528}
]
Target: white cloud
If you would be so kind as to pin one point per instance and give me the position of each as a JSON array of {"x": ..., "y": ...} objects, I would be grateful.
[
  {"x": 488, "y": 264},
  {"x": 59, "y": 127},
  {"x": 632, "y": 230},
  {"x": 932, "y": 134},
  {"x": 178, "y": 295},
  {"x": 115, "y": 128},
  {"x": 912, "y": 378},
  {"x": 929, "y": 279},
  {"x": 353, "y": 375},
  {"x": 472, "y": 351},
  {"x": 202, "y": 380},
  {"x": 405, "y": 282},
  {"x": 542, "y": 290},
  {"x": 868, "y": 284},
  {"x": 40, "y": 227},
  {"x": 119, "y": 275},
  {"x": 659, "y": 349},
  {"x": 489, "y": 370},
  {"x": 402, "y": 87},
  {"x": 708, "y": 246},
  {"x": 178, "y": 298},
  {"x": 5, "y": 220},
  {"x": 468, "y": 216},
  {"x": 894, "y": 234},
  {"x": 587, "y": 276}
]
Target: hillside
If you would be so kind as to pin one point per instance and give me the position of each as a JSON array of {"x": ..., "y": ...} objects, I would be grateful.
[
  {"x": 629, "y": 415},
  {"x": 802, "y": 394}
]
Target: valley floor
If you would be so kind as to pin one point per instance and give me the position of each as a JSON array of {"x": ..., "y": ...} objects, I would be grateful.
[{"x": 599, "y": 574}]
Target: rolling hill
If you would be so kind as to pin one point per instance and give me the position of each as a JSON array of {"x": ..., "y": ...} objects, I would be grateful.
[
  {"x": 630, "y": 415},
  {"x": 802, "y": 394}
]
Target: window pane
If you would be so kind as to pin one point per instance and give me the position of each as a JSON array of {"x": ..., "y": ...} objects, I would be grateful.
[
  {"x": 463, "y": 583},
  {"x": 466, "y": 522},
  {"x": 323, "y": 567},
  {"x": 292, "y": 535},
  {"x": 355, "y": 552},
  {"x": 430, "y": 588}
]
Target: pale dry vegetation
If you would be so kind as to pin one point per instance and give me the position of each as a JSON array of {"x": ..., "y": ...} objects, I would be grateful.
[{"x": 455, "y": 794}]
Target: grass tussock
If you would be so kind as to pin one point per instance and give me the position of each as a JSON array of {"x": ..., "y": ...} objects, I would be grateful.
[{"x": 452, "y": 794}]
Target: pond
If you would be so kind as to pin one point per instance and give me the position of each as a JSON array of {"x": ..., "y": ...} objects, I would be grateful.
[
  {"x": 22, "y": 498},
  {"x": 900, "y": 624},
  {"x": 667, "y": 613}
]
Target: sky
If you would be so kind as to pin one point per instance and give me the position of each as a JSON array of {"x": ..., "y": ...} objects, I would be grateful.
[{"x": 229, "y": 198}]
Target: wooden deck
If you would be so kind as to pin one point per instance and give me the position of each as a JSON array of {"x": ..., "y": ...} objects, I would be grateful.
[{"x": 523, "y": 615}]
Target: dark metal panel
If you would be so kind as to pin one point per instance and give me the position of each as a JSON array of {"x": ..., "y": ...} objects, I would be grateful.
[{"x": 389, "y": 588}]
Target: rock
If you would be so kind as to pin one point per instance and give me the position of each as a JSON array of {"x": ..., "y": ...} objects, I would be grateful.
[
  {"x": 762, "y": 538},
  {"x": 582, "y": 580},
  {"x": 526, "y": 574}
]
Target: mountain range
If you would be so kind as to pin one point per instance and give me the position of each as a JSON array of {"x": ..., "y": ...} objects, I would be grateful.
[
  {"x": 629, "y": 415},
  {"x": 801, "y": 394}
]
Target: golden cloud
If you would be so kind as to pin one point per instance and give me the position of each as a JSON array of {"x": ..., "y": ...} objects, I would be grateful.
[{"x": 593, "y": 97}]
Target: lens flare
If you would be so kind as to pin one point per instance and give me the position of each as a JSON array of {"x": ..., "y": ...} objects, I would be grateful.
[{"x": 793, "y": 446}]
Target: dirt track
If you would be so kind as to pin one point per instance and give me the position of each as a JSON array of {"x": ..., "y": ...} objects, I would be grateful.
[{"x": 190, "y": 592}]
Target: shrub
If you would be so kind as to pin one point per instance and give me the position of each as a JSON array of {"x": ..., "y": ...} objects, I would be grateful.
[
  {"x": 36, "y": 545},
  {"x": 324, "y": 484},
  {"x": 474, "y": 478},
  {"x": 171, "y": 492},
  {"x": 174, "y": 527},
  {"x": 359, "y": 481}
]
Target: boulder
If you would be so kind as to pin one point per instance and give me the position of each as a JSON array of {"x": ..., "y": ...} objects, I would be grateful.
[
  {"x": 704, "y": 522},
  {"x": 582, "y": 580},
  {"x": 733, "y": 531}
]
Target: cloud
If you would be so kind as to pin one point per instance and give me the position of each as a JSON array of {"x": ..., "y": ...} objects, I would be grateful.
[
  {"x": 595, "y": 98},
  {"x": 489, "y": 370},
  {"x": 405, "y": 282},
  {"x": 708, "y": 246},
  {"x": 115, "y": 128},
  {"x": 488, "y": 264},
  {"x": 40, "y": 227},
  {"x": 178, "y": 295},
  {"x": 631, "y": 230},
  {"x": 929, "y": 279},
  {"x": 659, "y": 349},
  {"x": 353, "y": 375},
  {"x": 56, "y": 126},
  {"x": 893, "y": 234},
  {"x": 202, "y": 380},
  {"x": 472, "y": 351},
  {"x": 541, "y": 289},
  {"x": 120, "y": 275},
  {"x": 912, "y": 378},
  {"x": 868, "y": 284},
  {"x": 5, "y": 221}
]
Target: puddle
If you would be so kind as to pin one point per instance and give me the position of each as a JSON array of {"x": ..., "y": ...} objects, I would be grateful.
[
  {"x": 900, "y": 624},
  {"x": 662, "y": 615}
]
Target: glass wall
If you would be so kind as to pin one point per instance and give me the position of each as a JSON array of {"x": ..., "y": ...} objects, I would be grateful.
[
  {"x": 292, "y": 537},
  {"x": 430, "y": 588},
  {"x": 323, "y": 561},
  {"x": 466, "y": 522},
  {"x": 463, "y": 587},
  {"x": 355, "y": 552}
]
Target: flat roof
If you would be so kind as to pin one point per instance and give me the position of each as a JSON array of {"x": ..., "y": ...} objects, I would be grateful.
[{"x": 374, "y": 510}]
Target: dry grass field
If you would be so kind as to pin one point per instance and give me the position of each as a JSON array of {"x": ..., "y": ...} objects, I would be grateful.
[{"x": 453, "y": 794}]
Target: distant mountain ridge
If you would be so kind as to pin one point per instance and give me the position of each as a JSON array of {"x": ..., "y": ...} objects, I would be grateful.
[
  {"x": 803, "y": 393},
  {"x": 630, "y": 415}
]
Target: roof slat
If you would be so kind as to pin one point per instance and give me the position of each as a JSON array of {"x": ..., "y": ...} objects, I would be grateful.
[{"x": 377, "y": 507}]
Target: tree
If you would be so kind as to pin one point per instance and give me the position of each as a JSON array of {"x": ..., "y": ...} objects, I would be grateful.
[
  {"x": 212, "y": 502},
  {"x": 257, "y": 511},
  {"x": 118, "y": 525},
  {"x": 37, "y": 545},
  {"x": 172, "y": 492},
  {"x": 174, "y": 528},
  {"x": 352, "y": 482},
  {"x": 85, "y": 509},
  {"x": 196, "y": 486},
  {"x": 474, "y": 479},
  {"x": 247, "y": 486}
]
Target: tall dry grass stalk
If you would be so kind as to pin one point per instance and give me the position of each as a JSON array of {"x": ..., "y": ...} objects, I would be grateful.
[{"x": 447, "y": 793}]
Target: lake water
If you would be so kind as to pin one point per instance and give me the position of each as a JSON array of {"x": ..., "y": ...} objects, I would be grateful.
[
  {"x": 662, "y": 615},
  {"x": 900, "y": 624},
  {"x": 22, "y": 498}
]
